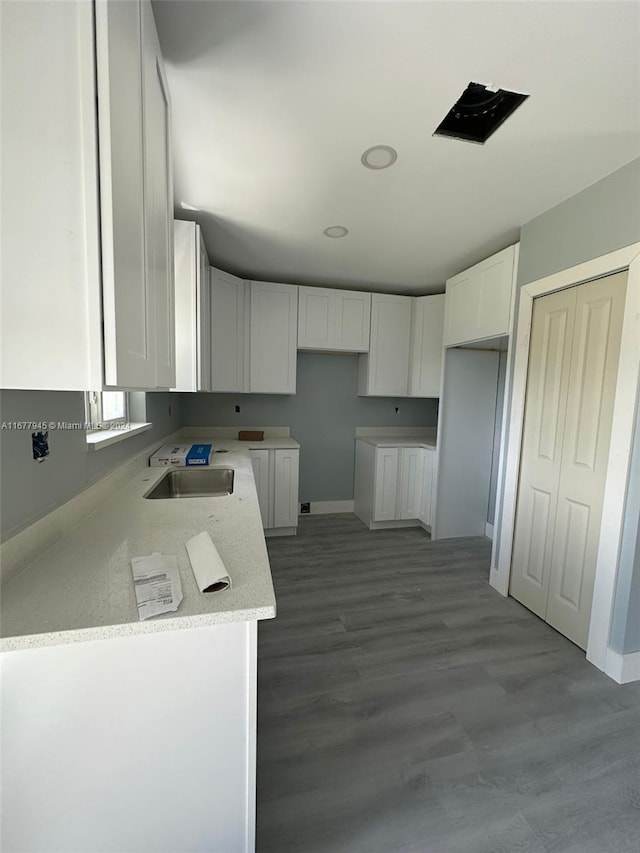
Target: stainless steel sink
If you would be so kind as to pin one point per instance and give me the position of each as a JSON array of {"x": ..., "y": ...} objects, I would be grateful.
[{"x": 193, "y": 483}]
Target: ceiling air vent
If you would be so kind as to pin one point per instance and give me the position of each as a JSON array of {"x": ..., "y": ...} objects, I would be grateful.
[{"x": 478, "y": 113}]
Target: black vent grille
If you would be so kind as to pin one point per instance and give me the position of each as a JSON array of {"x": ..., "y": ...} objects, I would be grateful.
[{"x": 478, "y": 113}]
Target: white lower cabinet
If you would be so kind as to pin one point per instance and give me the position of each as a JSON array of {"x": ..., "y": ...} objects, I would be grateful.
[
  {"x": 276, "y": 475},
  {"x": 394, "y": 485}
]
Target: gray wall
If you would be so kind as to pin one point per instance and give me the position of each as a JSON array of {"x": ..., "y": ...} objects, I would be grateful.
[
  {"x": 29, "y": 489},
  {"x": 323, "y": 415},
  {"x": 600, "y": 219}
]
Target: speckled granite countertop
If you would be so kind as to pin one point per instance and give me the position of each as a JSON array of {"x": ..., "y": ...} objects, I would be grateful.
[{"x": 82, "y": 588}]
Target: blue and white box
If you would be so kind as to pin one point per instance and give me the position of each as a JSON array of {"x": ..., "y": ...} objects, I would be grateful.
[{"x": 200, "y": 454}]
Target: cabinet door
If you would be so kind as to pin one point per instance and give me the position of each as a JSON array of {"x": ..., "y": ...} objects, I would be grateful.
[
  {"x": 227, "y": 332},
  {"x": 426, "y": 346},
  {"x": 158, "y": 201},
  {"x": 274, "y": 335},
  {"x": 203, "y": 318},
  {"x": 260, "y": 462},
  {"x": 410, "y": 489},
  {"x": 352, "y": 320},
  {"x": 388, "y": 360},
  {"x": 50, "y": 317},
  {"x": 386, "y": 484},
  {"x": 128, "y": 307},
  {"x": 461, "y": 308},
  {"x": 285, "y": 501},
  {"x": 495, "y": 277},
  {"x": 316, "y": 307},
  {"x": 426, "y": 498}
]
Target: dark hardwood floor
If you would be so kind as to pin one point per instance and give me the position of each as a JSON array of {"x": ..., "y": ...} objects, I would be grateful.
[{"x": 406, "y": 707}]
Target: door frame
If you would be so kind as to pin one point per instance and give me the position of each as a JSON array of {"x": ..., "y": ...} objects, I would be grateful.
[{"x": 622, "y": 429}]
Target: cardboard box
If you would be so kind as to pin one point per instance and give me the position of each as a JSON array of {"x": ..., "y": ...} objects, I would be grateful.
[{"x": 170, "y": 455}]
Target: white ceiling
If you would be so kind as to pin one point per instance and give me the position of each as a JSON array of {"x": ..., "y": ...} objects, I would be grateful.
[{"x": 274, "y": 103}]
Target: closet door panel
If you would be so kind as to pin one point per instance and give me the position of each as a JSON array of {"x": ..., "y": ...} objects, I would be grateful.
[
  {"x": 585, "y": 454},
  {"x": 544, "y": 421}
]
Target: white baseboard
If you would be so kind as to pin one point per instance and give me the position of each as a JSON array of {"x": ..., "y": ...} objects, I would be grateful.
[
  {"x": 623, "y": 668},
  {"x": 325, "y": 507},
  {"x": 488, "y": 531}
]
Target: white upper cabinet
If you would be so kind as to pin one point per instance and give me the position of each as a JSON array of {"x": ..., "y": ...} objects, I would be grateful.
[
  {"x": 129, "y": 312},
  {"x": 274, "y": 336},
  {"x": 426, "y": 346},
  {"x": 50, "y": 312},
  {"x": 192, "y": 299},
  {"x": 102, "y": 221},
  {"x": 478, "y": 300},
  {"x": 158, "y": 200},
  {"x": 384, "y": 372},
  {"x": 333, "y": 319},
  {"x": 228, "y": 331}
]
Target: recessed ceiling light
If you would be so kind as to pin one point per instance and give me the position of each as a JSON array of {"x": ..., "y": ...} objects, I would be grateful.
[
  {"x": 379, "y": 157},
  {"x": 336, "y": 231}
]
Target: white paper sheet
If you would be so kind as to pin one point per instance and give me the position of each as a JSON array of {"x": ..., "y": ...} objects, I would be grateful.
[{"x": 157, "y": 584}]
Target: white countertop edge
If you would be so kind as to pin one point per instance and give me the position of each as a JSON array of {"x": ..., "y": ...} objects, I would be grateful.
[{"x": 130, "y": 629}]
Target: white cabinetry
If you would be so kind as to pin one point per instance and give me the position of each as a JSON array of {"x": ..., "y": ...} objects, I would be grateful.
[
  {"x": 228, "y": 329},
  {"x": 192, "y": 295},
  {"x": 478, "y": 300},
  {"x": 102, "y": 221},
  {"x": 410, "y": 484},
  {"x": 333, "y": 319},
  {"x": 384, "y": 371},
  {"x": 274, "y": 335},
  {"x": 386, "y": 484},
  {"x": 276, "y": 474},
  {"x": 427, "y": 501},
  {"x": 426, "y": 346},
  {"x": 253, "y": 335},
  {"x": 394, "y": 485}
]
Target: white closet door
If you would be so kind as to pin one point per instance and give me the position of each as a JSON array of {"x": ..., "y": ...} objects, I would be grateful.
[
  {"x": 547, "y": 386},
  {"x": 585, "y": 454}
]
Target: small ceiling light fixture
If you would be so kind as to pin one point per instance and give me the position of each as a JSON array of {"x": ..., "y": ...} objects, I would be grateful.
[
  {"x": 479, "y": 112},
  {"x": 379, "y": 157},
  {"x": 336, "y": 231}
]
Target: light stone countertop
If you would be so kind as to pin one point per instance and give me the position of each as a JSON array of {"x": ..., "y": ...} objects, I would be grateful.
[
  {"x": 82, "y": 588},
  {"x": 399, "y": 441}
]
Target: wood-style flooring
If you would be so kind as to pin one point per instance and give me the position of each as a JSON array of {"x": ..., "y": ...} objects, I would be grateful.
[{"x": 405, "y": 707}]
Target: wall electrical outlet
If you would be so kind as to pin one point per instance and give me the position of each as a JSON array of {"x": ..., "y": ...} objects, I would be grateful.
[{"x": 305, "y": 508}]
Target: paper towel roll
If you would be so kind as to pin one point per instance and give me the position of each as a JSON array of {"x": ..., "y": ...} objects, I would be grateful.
[{"x": 208, "y": 568}]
